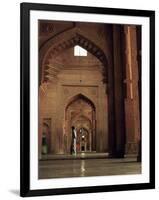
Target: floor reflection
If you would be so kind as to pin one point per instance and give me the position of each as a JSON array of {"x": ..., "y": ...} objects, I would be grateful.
[{"x": 88, "y": 167}]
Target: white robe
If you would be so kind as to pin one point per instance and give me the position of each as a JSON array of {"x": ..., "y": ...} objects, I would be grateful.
[{"x": 74, "y": 140}]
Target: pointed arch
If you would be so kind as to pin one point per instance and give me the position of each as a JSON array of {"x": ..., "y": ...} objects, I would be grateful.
[
  {"x": 64, "y": 41},
  {"x": 81, "y": 116},
  {"x": 80, "y": 96}
]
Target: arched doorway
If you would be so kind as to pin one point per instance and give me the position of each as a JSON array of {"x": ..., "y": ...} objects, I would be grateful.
[
  {"x": 46, "y": 136},
  {"x": 83, "y": 142},
  {"x": 84, "y": 133},
  {"x": 80, "y": 113}
]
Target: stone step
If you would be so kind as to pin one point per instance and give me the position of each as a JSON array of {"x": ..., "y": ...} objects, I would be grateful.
[{"x": 86, "y": 155}]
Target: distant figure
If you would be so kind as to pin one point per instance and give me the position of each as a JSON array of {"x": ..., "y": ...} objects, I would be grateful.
[{"x": 73, "y": 141}]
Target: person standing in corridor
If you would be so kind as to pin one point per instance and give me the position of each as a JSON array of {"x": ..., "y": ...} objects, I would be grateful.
[{"x": 74, "y": 141}]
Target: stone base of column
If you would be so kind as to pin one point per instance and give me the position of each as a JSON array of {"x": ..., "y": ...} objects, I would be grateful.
[
  {"x": 138, "y": 158},
  {"x": 119, "y": 154},
  {"x": 139, "y": 152},
  {"x": 131, "y": 148}
]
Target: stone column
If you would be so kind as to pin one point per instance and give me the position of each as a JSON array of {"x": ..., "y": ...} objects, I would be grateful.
[
  {"x": 40, "y": 123},
  {"x": 132, "y": 93},
  {"x": 115, "y": 92},
  {"x": 110, "y": 94},
  {"x": 138, "y": 31},
  {"x": 119, "y": 122},
  {"x": 41, "y": 103},
  {"x": 60, "y": 119},
  {"x": 93, "y": 130}
]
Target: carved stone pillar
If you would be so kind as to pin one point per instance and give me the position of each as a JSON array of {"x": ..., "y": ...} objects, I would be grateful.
[
  {"x": 139, "y": 85},
  {"x": 110, "y": 93},
  {"x": 132, "y": 98},
  {"x": 40, "y": 119},
  {"x": 116, "y": 96},
  {"x": 118, "y": 91}
]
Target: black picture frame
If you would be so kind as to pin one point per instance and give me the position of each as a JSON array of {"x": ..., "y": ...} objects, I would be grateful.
[{"x": 25, "y": 9}]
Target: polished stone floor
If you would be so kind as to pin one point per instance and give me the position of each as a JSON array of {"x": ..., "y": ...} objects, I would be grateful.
[{"x": 88, "y": 167}]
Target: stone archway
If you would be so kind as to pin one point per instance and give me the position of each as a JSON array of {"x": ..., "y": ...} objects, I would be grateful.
[
  {"x": 84, "y": 133},
  {"x": 61, "y": 43},
  {"x": 80, "y": 113},
  {"x": 84, "y": 140},
  {"x": 113, "y": 77}
]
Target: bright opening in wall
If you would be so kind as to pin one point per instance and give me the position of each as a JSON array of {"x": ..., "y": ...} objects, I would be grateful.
[{"x": 79, "y": 51}]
